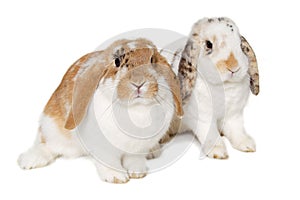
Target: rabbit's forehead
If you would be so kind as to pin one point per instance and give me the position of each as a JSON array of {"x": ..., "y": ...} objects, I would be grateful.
[
  {"x": 135, "y": 56},
  {"x": 215, "y": 26},
  {"x": 128, "y": 46},
  {"x": 133, "y": 45},
  {"x": 130, "y": 49},
  {"x": 219, "y": 30},
  {"x": 218, "y": 21}
]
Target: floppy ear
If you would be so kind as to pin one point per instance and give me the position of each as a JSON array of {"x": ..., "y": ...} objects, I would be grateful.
[
  {"x": 165, "y": 69},
  {"x": 92, "y": 69},
  {"x": 253, "y": 69}
]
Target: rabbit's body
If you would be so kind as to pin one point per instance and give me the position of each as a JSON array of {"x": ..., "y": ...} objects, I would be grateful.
[
  {"x": 217, "y": 69},
  {"x": 140, "y": 116},
  {"x": 127, "y": 95},
  {"x": 207, "y": 119}
]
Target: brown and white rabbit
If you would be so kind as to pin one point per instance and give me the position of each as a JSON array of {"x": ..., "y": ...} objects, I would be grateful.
[
  {"x": 217, "y": 68},
  {"x": 129, "y": 76}
]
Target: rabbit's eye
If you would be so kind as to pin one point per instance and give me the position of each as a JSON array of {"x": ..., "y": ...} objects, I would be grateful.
[
  {"x": 208, "y": 44},
  {"x": 117, "y": 62},
  {"x": 152, "y": 60}
]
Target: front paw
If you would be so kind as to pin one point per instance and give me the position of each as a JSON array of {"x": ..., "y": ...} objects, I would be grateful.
[
  {"x": 113, "y": 176},
  {"x": 136, "y": 166},
  {"x": 137, "y": 174},
  {"x": 219, "y": 151},
  {"x": 244, "y": 143},
  {"x": 35, "y": 157},
  {"x": 155, "y": 152}
]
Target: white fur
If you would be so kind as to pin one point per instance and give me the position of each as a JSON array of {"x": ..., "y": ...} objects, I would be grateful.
[
  {"x": 132, "y": 45},
  {"x": 37, "y": 156},
  {"x": 139, "y": 114},
  {"x": 117, "y": 48},
  {"x": 199, "y": 117},
  {"x": 58, "y": 144}
]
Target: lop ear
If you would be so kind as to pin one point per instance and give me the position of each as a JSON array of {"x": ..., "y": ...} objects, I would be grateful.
[
  {"x": 162, "y": 67},
  {"x": 92, "y": 69},
  {"x": 253, "y": 68}
]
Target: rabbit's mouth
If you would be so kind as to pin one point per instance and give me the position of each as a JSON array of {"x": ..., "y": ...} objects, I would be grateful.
[
  {"x": 140, "y": 97},
  {"x": 234, "y": 72},
  {"x": 138, "y": 90},
  {"x": 137, "y": 96}
]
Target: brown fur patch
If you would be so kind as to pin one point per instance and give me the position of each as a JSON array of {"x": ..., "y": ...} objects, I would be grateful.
[
  {"x": 124, "y": 90},
  {"x": 231, "y": 61},
  {"x": 229, "y": 64},
  {"x": 162, "y": 67},
  {"x": 140, "y": 57},
  {"x": 111, "y": 72},
  {"x": 85, "y": 85},
  {"x": 56, "y": 107},
  {"x": 152, "y": 90},
  {"x": 159, "y": 59}
]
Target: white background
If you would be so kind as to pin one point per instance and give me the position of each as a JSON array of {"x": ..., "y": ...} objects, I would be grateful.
[{"x": 39, "y": 40}]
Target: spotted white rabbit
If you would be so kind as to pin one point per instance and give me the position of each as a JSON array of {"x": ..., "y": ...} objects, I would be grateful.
[
  {"x": 217, "y": 68},
  {"x": 129, "y": 75}
]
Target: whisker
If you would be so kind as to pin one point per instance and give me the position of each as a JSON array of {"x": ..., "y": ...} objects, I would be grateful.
[
  {"x": 167, "y": 88},
  {"x": 167, "y": 102},
  {"x": 156, "y": 99},
  {"x": 114, "y": 101}
]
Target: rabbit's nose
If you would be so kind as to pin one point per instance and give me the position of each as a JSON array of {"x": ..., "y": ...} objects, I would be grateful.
[{"x": 138, "y": 86}]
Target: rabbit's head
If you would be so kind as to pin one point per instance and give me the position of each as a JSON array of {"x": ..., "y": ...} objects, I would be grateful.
[
  {"x": 219, "y": 40},
  {"x": 130, "y": 72},
  {"x": 137, "y": 71}
]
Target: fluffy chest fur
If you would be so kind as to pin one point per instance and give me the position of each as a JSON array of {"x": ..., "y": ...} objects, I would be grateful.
[
  {"x": 132, "y": 128},
  {"x": 236, "y": 96},
  {"x": 214, "y": 103}
]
